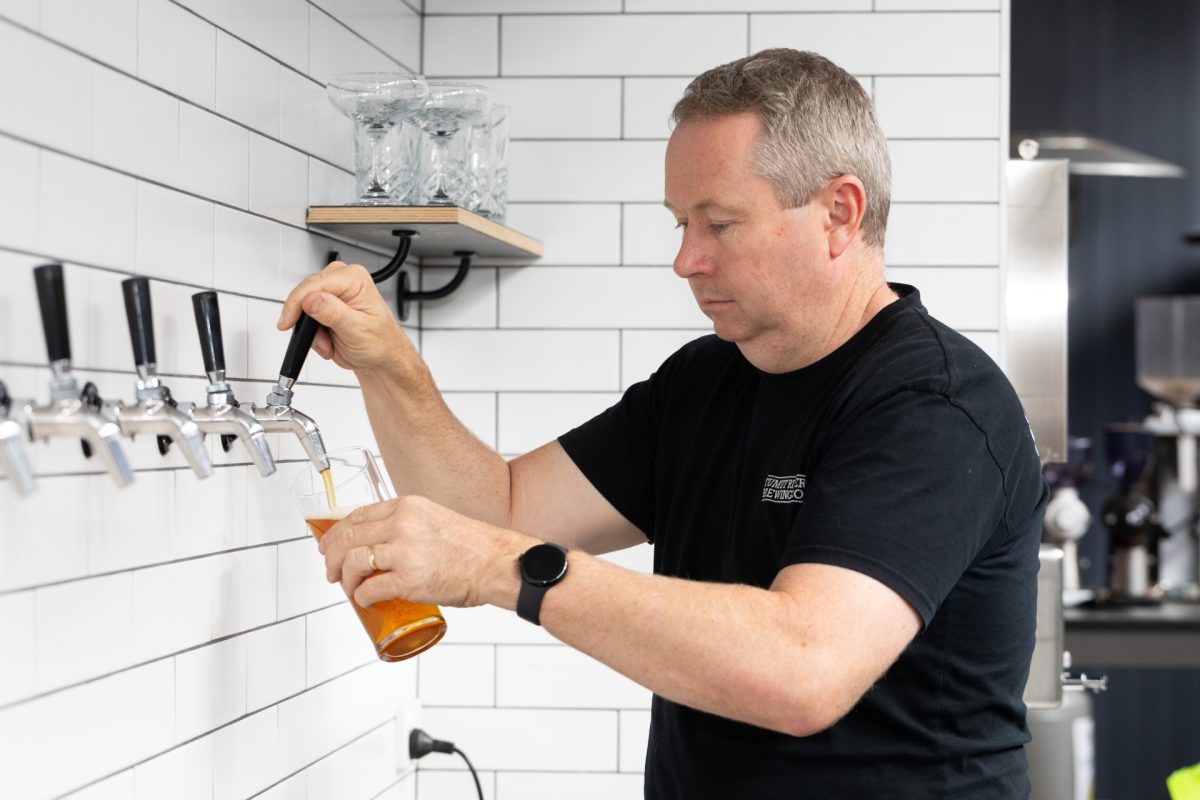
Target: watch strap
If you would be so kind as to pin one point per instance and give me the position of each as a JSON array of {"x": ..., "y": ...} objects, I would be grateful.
[
  {"x": 529, "y": 602},
  {"x": 530, "y": 596}
]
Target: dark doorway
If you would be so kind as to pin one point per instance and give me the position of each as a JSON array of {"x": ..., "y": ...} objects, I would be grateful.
[{"x": 1130, "y": 73}]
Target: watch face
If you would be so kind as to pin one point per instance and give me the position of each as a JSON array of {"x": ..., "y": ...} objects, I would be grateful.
[{"x": 543, "y": 564}]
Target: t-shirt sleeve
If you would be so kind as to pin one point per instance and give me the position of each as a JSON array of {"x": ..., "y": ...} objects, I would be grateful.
[
  {"x": 908, "y": 494},
  {"x": 615, "y": 450}
]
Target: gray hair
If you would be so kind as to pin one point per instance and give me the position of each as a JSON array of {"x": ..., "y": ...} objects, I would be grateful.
[{"x": 817, "y": 124}]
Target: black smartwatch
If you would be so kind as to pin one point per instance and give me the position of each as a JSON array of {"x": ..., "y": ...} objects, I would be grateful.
[{"x": 542, "y": 566}]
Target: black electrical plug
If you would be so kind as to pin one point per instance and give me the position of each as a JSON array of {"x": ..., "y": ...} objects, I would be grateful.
[{"x": 421, "y": 744}]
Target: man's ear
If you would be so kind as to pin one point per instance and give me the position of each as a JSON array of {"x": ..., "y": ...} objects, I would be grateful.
[{"x": 845, "y": 199}]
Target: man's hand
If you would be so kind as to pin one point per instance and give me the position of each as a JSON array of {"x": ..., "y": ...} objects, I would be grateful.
[
  {"x": 359, "y": 331},
  {"x": 425, "y": 553}
]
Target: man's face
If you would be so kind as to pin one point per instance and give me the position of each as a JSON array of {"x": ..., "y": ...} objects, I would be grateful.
[{"x": 759, "y": 271}]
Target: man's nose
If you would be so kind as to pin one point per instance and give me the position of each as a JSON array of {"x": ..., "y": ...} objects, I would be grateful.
[{"x": 692, "y": 257}]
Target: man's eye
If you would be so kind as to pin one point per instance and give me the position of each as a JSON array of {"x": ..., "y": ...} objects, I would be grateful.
[
  {"x": 680, "y": 224},
  {"x": 718, "y": 227}
]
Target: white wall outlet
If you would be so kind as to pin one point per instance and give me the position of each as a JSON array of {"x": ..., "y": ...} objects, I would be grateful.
[{"x": 408, "y": 716}]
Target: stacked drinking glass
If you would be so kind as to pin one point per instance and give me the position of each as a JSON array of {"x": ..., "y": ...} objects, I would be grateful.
[{"x": 420, "y": 142}]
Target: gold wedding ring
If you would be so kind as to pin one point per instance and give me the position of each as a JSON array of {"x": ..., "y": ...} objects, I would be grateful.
[{"x": 371, "y": 558}]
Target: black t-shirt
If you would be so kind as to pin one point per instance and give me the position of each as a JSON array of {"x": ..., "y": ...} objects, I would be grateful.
[{"x": 903, "y": 455}]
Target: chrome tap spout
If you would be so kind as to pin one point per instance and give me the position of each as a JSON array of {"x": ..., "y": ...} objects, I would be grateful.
[
  {"x": 97, "y": 427},
  {"x": 155, "y": 411},
  {"x": 285, "y": 419},
  {"x": 82, "y": 415},
  {"x": 14, "y": 461},
  {"x": 222, "y": 416},
  {"x": 159, "y": 416}
]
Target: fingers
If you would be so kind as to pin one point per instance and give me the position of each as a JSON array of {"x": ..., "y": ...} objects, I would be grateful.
[
  {"x": 327, "y": 309},
  {"x": 384, "y": 586},
  {"x": 338, "y": 278},
  {"x": 374, "y": 512},
  {"x": 345, "y": 537},
  {"x": 357, "y": 566},
  {"x": 322, "y": 344}
]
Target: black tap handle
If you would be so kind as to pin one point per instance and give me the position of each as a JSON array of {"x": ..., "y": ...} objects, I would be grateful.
[
  {"x": 52, "y": 297},
  {"x": 208, "y": 323},
  {"x": 297, "y": 349},
  {"x": 141, "y": 319}
]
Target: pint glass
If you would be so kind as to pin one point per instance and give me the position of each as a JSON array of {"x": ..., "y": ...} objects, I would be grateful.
[{"x": 399, "y": 629}]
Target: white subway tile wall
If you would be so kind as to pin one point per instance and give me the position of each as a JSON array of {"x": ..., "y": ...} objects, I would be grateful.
[
  {"x": 529, "y": 352},
  {"x": 158, "y": 639},
  {"x": 178, "y": 638}
]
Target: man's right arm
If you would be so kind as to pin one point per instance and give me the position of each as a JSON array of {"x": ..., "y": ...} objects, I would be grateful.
[{"x": 427, "y": 450}]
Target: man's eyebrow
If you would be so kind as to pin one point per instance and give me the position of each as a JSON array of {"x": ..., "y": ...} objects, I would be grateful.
[{"x": 705, "y": 205}]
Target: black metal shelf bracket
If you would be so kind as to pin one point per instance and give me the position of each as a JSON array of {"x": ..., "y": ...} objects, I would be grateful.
[{"x": 405, "y": 294}]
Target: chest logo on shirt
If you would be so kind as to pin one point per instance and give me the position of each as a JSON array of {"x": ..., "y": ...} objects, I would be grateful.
[{"x": 784, "y": 489}]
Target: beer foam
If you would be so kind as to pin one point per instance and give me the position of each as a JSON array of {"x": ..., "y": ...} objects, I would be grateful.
[{"x": 338, "y": 513}]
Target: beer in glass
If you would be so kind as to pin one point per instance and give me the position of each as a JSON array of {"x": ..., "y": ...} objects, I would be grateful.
[{"x": 398, "y": 628}]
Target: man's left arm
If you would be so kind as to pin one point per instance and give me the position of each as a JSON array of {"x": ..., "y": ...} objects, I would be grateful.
[{"x": 792, "y": 658}]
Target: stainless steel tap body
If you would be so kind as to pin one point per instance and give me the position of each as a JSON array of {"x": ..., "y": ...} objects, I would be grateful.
[
  {"x": 154, "y": 413},
  {"x": 67, "y": 415},
  {"x": 285, "y": 419},
  {"x": 222, "y": 416},
  {"x": 14, "y": 461}
]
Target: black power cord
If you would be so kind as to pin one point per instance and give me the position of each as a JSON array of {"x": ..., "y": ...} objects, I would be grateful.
[{"x": 421, "y": 744}]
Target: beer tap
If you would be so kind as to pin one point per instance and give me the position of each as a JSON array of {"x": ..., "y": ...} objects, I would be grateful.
[
  {"x": 278, "y": 415},
  {"x": 223, "y": 414},
  {"x": 14, "y": 462},
  {"x": 155, "y": 411},
  {"x": 72, "y": 412}
]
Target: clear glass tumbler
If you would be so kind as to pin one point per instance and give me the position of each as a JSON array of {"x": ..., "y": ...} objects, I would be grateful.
[
  {"x": 399, "y": 629},
  {"x": 378, "y": 102},
  {"x": 450, "y": 106},
  {"x": 494, "y": 202},
  {"x": 482, "y": 149}
]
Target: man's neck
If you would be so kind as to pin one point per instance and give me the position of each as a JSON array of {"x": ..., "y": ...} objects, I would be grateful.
[{"x": 796, "y": 352}]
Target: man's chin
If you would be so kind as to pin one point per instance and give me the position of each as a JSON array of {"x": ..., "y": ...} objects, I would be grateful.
[{"x": 729, "y": 332}]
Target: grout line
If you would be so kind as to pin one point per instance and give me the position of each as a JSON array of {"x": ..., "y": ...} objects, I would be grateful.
[
  {"x": 152, "y": 565},
  {"x": 682, "y": 76},
  {"x": 621, "y": 109},
  {"x": 165, "y": 91},
  {"x": 355, "y": 739},
  {"x": 621, "y": 235},
  {"x": 411, "y": 772},
  {"x": 865, "y": 14},
  {"x": 421, "y": 62},
  {"x": 77, "y": 369},
  {"x": 360, "y": 244},
  {"x": 618, "y": 739},
  {"x": 620, "y": 357},
  {"x": 572, "y": 709},
  {"x": 172, "y": 655},
  {"x": 618, "y": 139}
]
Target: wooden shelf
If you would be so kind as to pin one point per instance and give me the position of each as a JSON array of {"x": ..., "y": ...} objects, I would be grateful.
[{"x": 442, "y": 229}]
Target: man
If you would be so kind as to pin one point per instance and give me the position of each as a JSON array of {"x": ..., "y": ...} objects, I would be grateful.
[{"x": 843, "y": 494}]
